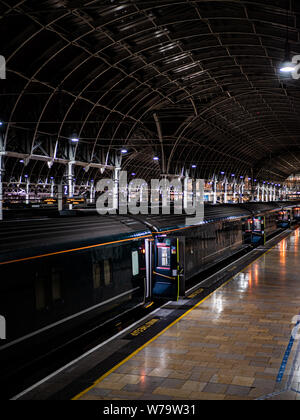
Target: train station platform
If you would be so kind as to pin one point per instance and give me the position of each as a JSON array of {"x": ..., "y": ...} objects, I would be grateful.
[{"x": 237, "y": 343}]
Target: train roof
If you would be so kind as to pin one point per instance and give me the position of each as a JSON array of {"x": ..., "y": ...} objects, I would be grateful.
[
  {"x": 23, "y": 239},
  {"x": 26, "y": 238},
  {"x": 212, "y": 213}
]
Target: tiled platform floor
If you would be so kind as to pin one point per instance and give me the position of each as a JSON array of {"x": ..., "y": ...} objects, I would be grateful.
[{"x": 230, "y": 347}]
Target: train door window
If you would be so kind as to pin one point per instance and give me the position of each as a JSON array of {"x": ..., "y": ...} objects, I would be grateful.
[
  {"x": 257, "y": 224},
  {"x": 107, "y": 272},
  {"x": 40, "y": 293},
  {"x": 135, "y": 263},
  {"x": 56, "y": 285},
  {"x": 97, "y": 275},
  {"x": 164, "y": 256}
]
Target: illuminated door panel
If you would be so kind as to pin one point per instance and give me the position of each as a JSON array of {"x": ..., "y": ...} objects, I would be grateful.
[{"x": 165, "y": 278}]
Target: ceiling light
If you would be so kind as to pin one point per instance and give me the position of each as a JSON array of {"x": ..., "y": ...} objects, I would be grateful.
[{"x": 287, "y": 67}]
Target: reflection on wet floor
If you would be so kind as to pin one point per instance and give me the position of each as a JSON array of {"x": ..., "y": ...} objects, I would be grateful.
[{"x": 237, "y": 344}]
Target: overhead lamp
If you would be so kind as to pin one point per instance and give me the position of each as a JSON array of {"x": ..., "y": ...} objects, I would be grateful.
[
  {"x": 124, "y": 151},
  {"x": 74, "y": 140},
  {"x": 233, "y": 175},
  {"x": 222, "y": 173},
  {"x": 194, "y": 166},
  {"x": 1, "y": 123},
  {"x": 133, "y": 174},
  {"x": 156, "y": 158},
  {"x": 287, "y": 66}
]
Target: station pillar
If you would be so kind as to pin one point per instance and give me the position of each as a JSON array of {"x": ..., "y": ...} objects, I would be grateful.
[
  {"x": 263, "y": 193},
  {"x": 70, "y": 183},
  {"x": 52, "y": 188},
  {"x": 92, "y": 192},
  {"x": 258, "y": 193},
  {"x": 234, "y": 190},
  {"x": 215, "y": 186},
  {"x": 116, "y": 180},
  {"x": 27, "y": 190},
  {"x": 225, "y": 191},
  {"x": 241, "y": 192}
]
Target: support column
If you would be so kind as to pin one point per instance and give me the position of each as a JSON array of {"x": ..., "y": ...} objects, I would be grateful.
[
  {"x": 70, "y": 183},
  {"x": 263, "y": 193},
  {"x": 258, "y": 193},
  {"x": 225, "y": 191},
  {"x": 27, "y": 191},
  {"x": 269, "y": 194},
  {"x": 116, "y": 188},
  {"x": 52, "y": 188},
  {"x": 92, "y": 192},
  {"x": 234, "y": 190},
  {"x": 215, "y": 185},
  {"x": 241, "y": 192},
  {"x": 186, "y": 190}
]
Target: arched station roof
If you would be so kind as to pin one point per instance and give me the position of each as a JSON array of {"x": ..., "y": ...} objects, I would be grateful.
[{"x": 204, "y": 74}]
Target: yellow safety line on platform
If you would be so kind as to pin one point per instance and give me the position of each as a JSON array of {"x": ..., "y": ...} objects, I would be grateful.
[{"x": 77, "y": 397}]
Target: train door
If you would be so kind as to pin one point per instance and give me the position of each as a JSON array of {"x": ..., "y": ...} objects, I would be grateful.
[
  {"x": 166, "y": 275},
  {"x": 258, "y": 231},
  {"x": 149, "y": 268},
  {"x": 284, "y": 219},
  {"x": 296, "y": 214},
  {"x": 247, "y": 230}
]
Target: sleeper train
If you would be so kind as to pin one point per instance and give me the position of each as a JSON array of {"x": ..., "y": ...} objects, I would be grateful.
[{"x": 63, "y": 273}]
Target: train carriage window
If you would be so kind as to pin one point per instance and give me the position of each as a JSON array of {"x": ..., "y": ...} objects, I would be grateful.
[
  {"x": 56, "y": 285},
  {"x": 40, "y": 293},
  {"x": 107, "y": 272},
  {"x": 135, "y": 263},
  {"x": 97, "y": 275},
  {"x": 164, "y": 256}
]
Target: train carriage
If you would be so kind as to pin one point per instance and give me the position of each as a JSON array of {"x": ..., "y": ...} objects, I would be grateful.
[{"x": 69, "y": 274}]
